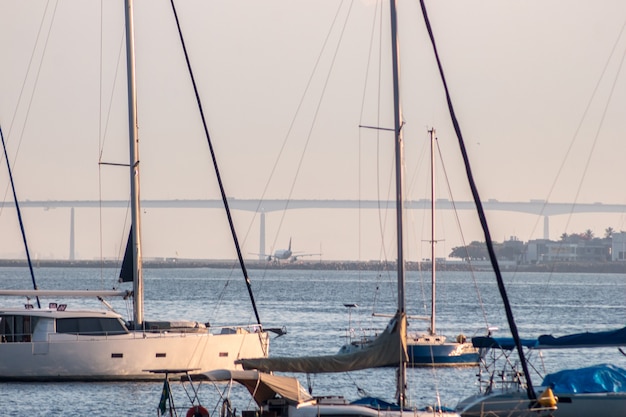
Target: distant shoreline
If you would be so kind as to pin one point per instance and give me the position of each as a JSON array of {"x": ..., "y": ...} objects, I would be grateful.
[{"x": 562, "y": 267}]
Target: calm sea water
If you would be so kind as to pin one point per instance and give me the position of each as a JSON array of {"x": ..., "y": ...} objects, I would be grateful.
[{"x": 310, "y": 304}]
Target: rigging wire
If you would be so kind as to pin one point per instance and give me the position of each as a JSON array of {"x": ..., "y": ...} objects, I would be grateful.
[
  {"x": 317, "y": 108},
  {"x": 19, "y": 216},
  {"x": 217, "y": 171},
  {"x": 291, "y": 126},
  {"x": 383, "y": 213},
  {"x": 38, "y": 72},
  {"x": 383, "y": 270},
  {"x": 532, "y": 396},
  {"x": 44, "y": 32},
  {"x": 584, "y": 116},
  {"x": 360, "y": 151},
  {"x": 30, "y": 102},
  {"x": 600, "y": 124},
  {"x": 463, "y": 241},
  {"x": 425, "y": 220},
  {"x": 102, "y": 136},
  {"x": 575, "y": 136}
]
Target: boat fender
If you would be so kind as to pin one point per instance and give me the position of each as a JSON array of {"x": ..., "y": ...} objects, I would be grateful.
[
  {"x": 197, "y": 411},
  {"x": 547, "y": 399},
  {"x": 226, "y": 411}
]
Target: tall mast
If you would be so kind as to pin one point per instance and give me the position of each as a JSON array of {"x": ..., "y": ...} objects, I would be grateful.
[
  {"x": 134, "y": 168},
  {"x": 395, "y": 52},
  {"x": 433, "y": 242}
]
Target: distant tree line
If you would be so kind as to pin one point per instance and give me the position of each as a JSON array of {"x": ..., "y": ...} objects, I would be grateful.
[
  {"x": 477, "y": 251},
  {"x": 586, "y": 235}
]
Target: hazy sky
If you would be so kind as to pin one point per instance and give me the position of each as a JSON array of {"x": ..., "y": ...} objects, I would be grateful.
[{"x": 285, "y": 85}]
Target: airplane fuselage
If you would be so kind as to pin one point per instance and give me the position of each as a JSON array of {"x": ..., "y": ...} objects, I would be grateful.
[{"x": 282, "y": 254}]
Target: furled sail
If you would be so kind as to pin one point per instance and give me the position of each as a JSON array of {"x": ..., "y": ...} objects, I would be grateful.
[
  {"x": 126, "y": 272},
  {"x": 598, "y": 339},
  {"x": 506, "y": 343},
  {"x": 388, "y": 349}
]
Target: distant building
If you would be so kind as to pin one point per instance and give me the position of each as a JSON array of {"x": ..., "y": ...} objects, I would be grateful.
[
  {"x": 512, "y": 250},
  {"x": 575, "y": 248},
  {"x": 618, "y": 252},
  {"x": 536, "y": 250},
  {"x": 580, "y": 250},
  {"x": 560, "y": 252},
  {"x": 594, "y": 250}
]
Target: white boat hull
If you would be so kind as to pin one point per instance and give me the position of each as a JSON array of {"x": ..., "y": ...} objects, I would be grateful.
[
  {"x": 515, "y": 404},
  {"x": 125, "y": 357},
  {"x": 360, "y": 411}
]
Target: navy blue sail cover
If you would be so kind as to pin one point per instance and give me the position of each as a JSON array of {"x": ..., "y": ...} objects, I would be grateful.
[
  {"x": 506, "y": 343},
  {"x": 587, "y": 339}
]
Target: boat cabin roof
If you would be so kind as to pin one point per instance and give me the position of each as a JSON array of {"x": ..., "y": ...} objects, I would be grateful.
[{"x": 58, "y": 312}]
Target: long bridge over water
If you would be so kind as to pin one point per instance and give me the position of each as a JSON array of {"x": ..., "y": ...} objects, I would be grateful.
[{"x": 535, "y": 207}]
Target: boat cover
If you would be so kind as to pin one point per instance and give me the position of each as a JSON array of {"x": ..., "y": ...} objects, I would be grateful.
[
  {"x": 386, "y": 350},
  {"x": 376, "y": 403},
  {"x": 597, "y": 339},
  {"x": 506, "y": 343},
  {"x": 262, "y": 386},
  {"x": 594, "y": 379}
]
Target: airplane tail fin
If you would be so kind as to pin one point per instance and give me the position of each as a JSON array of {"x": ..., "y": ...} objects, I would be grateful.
[{"x": 289, "y": 244}]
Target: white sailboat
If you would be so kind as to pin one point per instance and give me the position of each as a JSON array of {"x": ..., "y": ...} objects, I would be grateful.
[
  {"x": 430, "y": 348},
  {"x": 58, "y": 343}
]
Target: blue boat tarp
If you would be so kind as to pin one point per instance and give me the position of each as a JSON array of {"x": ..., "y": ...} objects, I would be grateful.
[
  {"x": 506, "y": 343},
  {"x": 379, "y": 404},
  {"x": 596, "y": 339},
  {"x": 594, "y": 379},
  {"x": 376, "y": 403}
]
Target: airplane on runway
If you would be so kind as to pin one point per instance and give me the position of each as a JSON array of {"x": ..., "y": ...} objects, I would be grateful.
[{"x": 287, "y": 254}]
